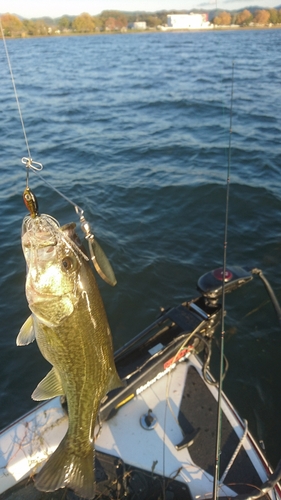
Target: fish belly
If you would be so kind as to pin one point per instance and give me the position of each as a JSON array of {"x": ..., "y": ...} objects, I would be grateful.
[{"x": 81, "y": 352}]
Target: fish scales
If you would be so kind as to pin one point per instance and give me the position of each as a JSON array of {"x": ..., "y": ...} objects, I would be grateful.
[{"x": 70, "y": 326}]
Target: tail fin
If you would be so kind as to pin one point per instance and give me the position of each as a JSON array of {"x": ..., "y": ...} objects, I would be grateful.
[{"x": 65, "y": 469}]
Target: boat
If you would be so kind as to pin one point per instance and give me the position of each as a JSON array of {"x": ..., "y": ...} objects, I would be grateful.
[{"x": 155, "y": 436}]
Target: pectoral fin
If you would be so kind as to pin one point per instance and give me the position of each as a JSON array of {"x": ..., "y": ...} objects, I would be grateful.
[
  {"x": 27, "y": 333},
  {"x": 49, "y": 387}
]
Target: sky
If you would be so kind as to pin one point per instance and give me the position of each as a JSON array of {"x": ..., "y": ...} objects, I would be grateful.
[{"x": 57, "y": 8}]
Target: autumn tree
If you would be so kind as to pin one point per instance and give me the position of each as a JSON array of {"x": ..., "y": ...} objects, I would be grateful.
[
  {"x": 162, "y": 16},
  {"x": 12, "y": 25},
  {"x": 275, "y": 16},
  {"x": 109, "y": 24},
  {"x": 121, "y": 22},
  {"x": 99, "y": 23},
  {"x": 83, "y": 23},
  {"x": 113, "y": 20},
  {"x": 41, "y": 27},
  {"x": 153, "y": 21},
  {"x": 261, "y": 17},
  {"x": 223, "y": 19},
  {"x": 244, "y": 17},
  {"x": 29, "y": 27},
  {"x": 64, "y": 23}
]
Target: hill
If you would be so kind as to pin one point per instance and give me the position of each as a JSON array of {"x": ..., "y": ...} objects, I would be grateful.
[{"x": 140, "y": 13}]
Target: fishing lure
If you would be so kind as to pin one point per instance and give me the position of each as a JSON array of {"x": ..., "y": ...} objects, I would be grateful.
[
  {"x": 98, "y": 257},
  {"x": 30, "y": 202}
]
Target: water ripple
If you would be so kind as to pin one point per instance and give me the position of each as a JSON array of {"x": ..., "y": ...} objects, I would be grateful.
[{"x": 135, "y": 128}]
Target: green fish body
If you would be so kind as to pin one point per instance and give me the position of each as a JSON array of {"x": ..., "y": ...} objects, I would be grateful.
[{"x": 71, "y": 329}]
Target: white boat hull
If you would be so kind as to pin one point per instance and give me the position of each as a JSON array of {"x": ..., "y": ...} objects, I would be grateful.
[{"x": 25, "y": 445}]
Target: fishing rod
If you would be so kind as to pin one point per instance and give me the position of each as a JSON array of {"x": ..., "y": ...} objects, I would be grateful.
[{"x": 221, "y": 365}]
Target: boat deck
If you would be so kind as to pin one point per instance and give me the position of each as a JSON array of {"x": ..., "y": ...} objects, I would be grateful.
[
  {"x": 131, "y": 462},
  {"x": 198, "y": 410}
]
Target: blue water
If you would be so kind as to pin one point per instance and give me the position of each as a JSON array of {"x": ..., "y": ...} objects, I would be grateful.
[{"x": 135, "y": 129}]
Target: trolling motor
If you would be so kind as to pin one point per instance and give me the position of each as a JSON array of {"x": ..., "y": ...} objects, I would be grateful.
[{"x": 210, "y": 285}]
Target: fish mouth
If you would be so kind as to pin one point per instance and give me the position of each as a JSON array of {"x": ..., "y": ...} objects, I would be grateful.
[
  {"x": 35, "y": 296},
  {"x": 40, "y": 232},
  {"x": 41, "y": 239}
]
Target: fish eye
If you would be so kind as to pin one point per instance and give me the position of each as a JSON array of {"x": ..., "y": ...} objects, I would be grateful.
[{"x": 68, "y": 264}]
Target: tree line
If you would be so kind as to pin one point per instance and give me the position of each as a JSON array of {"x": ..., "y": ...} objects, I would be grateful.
[
  {"x": 260, "y": 17},
  {"x": 113, "y": 21},
  {"x": 13, "y": 26}
]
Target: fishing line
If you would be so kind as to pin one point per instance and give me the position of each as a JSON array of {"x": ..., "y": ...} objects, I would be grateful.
[
  {"x": 29, "y": 163},
  {"x": 15, "y": 90},
  {"x": 34, "y": 167},
  {"x": 98, "y": 257},
  {"x": 219, "y": 411}
]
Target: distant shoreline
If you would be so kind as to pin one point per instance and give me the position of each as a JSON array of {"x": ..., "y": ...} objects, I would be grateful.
[{"x": 145, "y": 32}]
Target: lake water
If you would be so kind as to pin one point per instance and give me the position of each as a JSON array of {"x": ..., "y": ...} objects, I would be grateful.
[{"x": 135, "y": 129}]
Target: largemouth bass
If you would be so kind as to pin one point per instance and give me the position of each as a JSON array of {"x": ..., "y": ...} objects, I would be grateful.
[{"x": 71, "y": 329}]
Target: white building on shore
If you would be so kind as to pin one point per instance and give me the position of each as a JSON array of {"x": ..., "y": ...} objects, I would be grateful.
[
  {"x": 188, "y": 21},
  {"x": 137, "y": 25}
]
